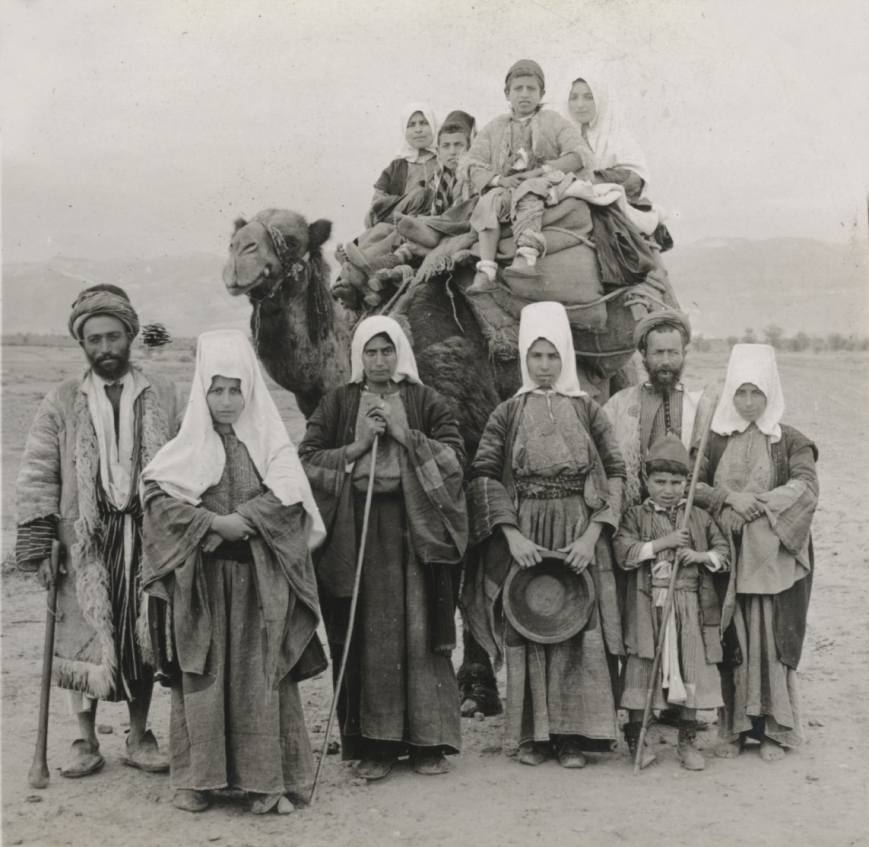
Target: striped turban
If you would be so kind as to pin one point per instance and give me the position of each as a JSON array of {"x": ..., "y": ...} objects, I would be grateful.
[
  {"x": 92, "y": 302},
  {"x": 662, "y": 320}
]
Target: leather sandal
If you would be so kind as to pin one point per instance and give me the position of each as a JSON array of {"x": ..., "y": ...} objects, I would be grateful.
[
  {"x": 570, "y": 755},
  {"x": 376, "y": 765},
  {"x": 190, "y": 800},
  {"x": 83, "y": 760},
  {"x": 431, "y": 764},
  {"x": 533, "y": 753},
  {"x": 147, "y": 756}
]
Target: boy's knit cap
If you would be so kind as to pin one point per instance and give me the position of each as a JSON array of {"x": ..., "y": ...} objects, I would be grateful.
[
  {"x": 527, "y": 65},
  {"x": 671, "y": 448}
]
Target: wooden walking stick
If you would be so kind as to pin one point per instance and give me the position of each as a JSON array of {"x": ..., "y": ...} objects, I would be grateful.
[
  {"x": 668, "y": 603},
  {"x": 349, "y": 635},
  {"x": 39, "y": 776}
]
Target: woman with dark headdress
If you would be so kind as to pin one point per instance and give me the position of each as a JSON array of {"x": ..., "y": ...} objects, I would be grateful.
[
  {"x": 760, "y": 484},
  {"x": 399, "y": 694},
  {"x": 548, "y": 475},
  {"x": 229, "y": 520}
]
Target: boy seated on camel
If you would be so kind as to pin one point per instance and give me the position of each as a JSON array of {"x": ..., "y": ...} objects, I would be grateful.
[
  {"x": 514, "y": 163},
  {"x": 443, "y": 192}
]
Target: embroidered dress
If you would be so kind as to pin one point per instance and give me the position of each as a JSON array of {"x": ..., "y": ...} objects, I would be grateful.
[{"x": 564, "y": 688}]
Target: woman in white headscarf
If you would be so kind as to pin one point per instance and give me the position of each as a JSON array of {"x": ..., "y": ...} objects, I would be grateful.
[
  {"x": 400, "y": 694},
  {"x": 593, "y": 106},
  {"x": 548, "y": 475},
  {"x": 228, "y": 526},
  {"x": 760, "y": 484},
  {"x": 414, "y": 163}
]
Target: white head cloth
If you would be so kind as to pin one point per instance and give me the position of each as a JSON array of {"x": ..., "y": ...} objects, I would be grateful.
[
  {"x": 609, "y": 135},
  {"x": 367, "y": 329},
  {"x": 405, "y": 151},
  {"x": 548, "y": 320},
  {"x": 193, "y": 461},
  {"x": 755, "y": 364}
]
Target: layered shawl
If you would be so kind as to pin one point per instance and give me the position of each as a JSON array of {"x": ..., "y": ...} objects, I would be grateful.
[{"x": 173, "y": 570}]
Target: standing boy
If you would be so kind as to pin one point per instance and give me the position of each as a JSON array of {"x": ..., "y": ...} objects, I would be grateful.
[{"x": 647, "y": 544}]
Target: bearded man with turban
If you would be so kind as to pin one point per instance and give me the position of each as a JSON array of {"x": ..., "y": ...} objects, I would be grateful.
[
  {"x": 662, "y": 405},
  {"x": 79, "y": 483}
]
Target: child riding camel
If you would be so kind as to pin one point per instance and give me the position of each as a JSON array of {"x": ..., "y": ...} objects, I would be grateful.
[{"x": 514, "y": 163}]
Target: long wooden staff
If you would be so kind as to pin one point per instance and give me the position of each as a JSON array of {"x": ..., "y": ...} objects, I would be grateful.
[
  {"x": 349, "y": 635},
  {"x": 39, "y": 776},
  {"x": 668, "y": 603}
]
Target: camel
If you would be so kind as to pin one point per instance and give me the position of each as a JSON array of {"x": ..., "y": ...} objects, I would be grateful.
[{"x": 302, "y": 337}]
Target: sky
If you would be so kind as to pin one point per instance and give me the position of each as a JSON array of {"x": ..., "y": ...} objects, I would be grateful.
[{"x": 142, "y": 129}]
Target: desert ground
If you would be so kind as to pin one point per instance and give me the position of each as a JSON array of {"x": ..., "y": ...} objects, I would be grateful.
[{"x": 816, "y": 796}]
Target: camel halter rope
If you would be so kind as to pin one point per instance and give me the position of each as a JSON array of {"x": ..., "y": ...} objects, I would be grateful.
[{"x": 319, "y": 317}]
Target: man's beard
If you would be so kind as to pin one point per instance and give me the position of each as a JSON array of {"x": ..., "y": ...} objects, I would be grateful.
[
  {"x": 111, "y": 367},
  {"x": 664, "y": 377}
]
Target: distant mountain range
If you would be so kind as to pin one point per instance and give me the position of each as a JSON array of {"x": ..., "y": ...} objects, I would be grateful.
[{"x": 726, "y": 285}]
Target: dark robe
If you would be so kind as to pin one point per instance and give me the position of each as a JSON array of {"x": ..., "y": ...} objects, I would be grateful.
[{"x": 400, "y": 685}]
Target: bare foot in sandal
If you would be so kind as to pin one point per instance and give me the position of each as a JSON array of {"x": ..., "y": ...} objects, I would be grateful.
[
  {"x": 264, "y": 803},
  {"x": 730, "y": 749},
  {"x": 771, "y": 751}
]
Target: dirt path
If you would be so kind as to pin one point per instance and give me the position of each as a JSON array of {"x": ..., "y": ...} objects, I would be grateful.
[{"x": 817, "y": 796}]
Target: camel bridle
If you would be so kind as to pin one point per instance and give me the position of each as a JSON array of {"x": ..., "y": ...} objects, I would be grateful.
[{"x": 291, "y": 267}]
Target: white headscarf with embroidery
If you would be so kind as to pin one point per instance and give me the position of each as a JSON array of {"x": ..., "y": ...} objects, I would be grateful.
[
  {"x": 367, "y": 329},
  {"x": 194, "y": 460},
  {"x": 755, "y": 364},
  {"x": 548, "y": 321},
  {"x": 609, "y": 134},
  {"x": 405, "y": 149}
]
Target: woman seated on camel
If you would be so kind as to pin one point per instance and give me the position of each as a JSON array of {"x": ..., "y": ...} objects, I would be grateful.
[
  {"x": 412, "y": 167},
  {"x": 229, "y": 520},
  {"x": 514, "y": 163},
  {"x": 593, "y": 106},
  {"x": 595, "y": 109}
]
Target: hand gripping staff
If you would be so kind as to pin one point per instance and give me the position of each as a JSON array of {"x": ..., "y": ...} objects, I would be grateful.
[
  {"x": 668, "y": 603},
  {"x": 353, "y": 602},
  {"x": 39, "y": 776}
]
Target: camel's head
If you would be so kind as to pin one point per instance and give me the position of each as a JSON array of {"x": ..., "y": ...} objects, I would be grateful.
[{"x": 273, "y": 246}]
